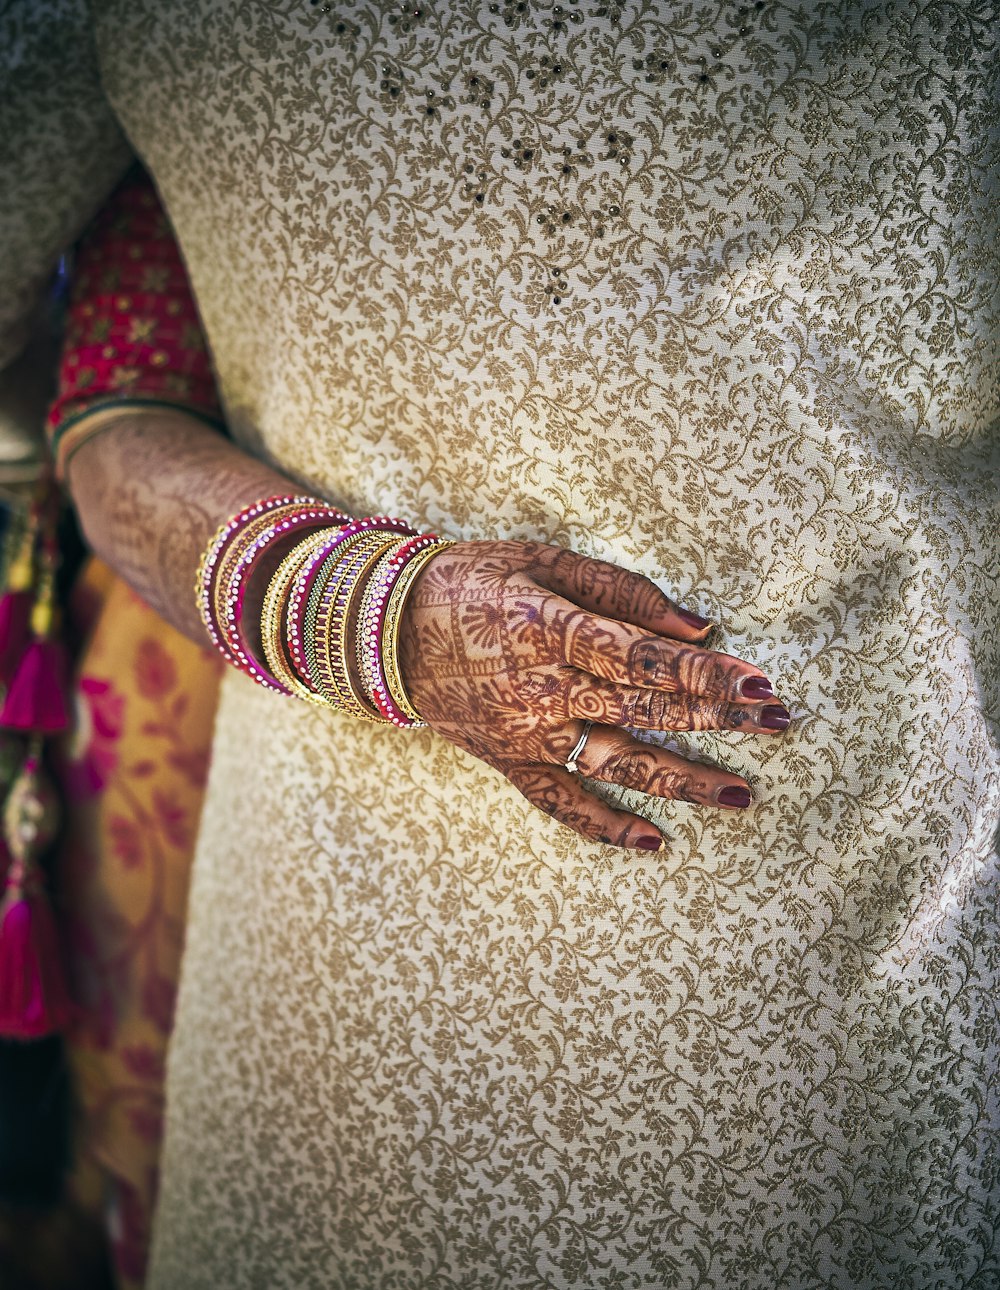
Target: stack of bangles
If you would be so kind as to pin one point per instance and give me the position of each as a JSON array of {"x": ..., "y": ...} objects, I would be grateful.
[{"x": 328, "y": 629}]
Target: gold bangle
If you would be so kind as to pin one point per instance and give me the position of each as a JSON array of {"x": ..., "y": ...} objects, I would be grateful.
[
  {"x": 332, "y": 650},
  {"x": 390, "y": 628},
  {"x": 323, "y": 618},
  {"x": 326, "y": 571},
  {"x": 333, "y": 676},
  {"x": 352, "y": 619},
  {"x": 273, "y": 629}
]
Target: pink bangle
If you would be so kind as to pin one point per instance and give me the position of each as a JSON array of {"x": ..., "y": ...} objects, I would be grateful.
[
  {"x": 370, "y": 630},
  {"x": 230, "y": 598},
  {"x": 213, "y": 554}
]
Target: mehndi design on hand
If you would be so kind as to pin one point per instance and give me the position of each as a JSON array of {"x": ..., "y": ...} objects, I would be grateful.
[{"x": 509, "y": 647}]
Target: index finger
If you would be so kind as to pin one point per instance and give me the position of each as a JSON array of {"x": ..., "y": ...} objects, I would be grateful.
[
  {"x": 615, "y": 592},
  {"x": 628, "y": 655}
]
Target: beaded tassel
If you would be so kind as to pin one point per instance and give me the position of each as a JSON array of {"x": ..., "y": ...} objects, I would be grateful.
[
  {"x": 36, "y": 700},
  {"x": 15, "y": 606},
  {"x": 34, "y": 1000},
  {"x": 33, "y": 996}
]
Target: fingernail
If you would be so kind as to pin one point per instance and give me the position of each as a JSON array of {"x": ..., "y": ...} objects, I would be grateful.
[
  {"x": 756, "y": 687},
  {"x": 734, "y": 795},
  {"x": 775, "y": 717},
  {"x": 648, "y": 844},
  {"x": 693, "y": 620}
]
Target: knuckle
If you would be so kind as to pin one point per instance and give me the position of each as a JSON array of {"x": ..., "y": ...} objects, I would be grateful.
[
  {"x": 638, "y": 708},
  {"x": 728, "y": 679},
  {"x": 657, "y": 708},
  {"x": 651, "y": 593},
  {"x": 652, "y": 710},
  {"x": 622, "y": 838},
  {"x": 626, "y": 585},
  {"x": 644, "y": 662},
  {"x": 701, "y": 673},
  {"x": 710, "y": 715},
  {"x": 677, "y": 785},
  {"x": 535, "y": 687},
  {"x": 551, "y": 796},
  {"x": 559, "y": 744},
  {"x": 626, "y": 766},
  {"x": 577, "y": 820},
  {"x": 689, "y": 789}
]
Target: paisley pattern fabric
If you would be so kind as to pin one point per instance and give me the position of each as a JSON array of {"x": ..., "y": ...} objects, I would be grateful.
[
  {"x": 709, "y": 290},
  {"x": 133, "y": 776}
]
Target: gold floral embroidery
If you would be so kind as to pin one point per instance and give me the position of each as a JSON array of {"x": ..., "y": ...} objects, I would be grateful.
[{"x": 733, "y": 326}]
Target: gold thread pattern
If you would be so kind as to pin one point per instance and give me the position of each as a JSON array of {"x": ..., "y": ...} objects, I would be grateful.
[{"x": 486, "y": 1054}]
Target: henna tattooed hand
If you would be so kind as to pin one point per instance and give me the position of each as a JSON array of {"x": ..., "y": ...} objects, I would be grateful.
[{"x": 508, "y": 647}]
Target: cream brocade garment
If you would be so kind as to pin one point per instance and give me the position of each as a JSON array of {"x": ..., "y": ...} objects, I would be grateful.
[{"x": 558, "y": 271}]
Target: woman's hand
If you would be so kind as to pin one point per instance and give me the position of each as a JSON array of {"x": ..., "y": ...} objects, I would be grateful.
[{"x": 508, "y": 648}]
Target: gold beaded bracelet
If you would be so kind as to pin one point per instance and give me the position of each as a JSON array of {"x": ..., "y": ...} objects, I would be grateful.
[{"x": 322, "y": 576}]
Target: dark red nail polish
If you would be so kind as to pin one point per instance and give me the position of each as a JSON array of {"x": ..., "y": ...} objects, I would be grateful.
[
  {"x": 693, "y": 620},
  {"x": 734, "y": 795},
  {"x": 775, "y": 717},
  {"x": 648, "y": 844},
  {"x": 756, "y": 687}
]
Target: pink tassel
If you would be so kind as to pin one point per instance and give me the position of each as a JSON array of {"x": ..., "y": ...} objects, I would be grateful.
[
  {"x": 36, "y": 699},
  {"x": 34, "y": 1000},
  {"x": 15, "y": 615}
]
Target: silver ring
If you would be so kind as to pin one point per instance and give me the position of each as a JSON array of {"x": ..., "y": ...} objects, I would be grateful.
[{"x": 571, "y": 762}]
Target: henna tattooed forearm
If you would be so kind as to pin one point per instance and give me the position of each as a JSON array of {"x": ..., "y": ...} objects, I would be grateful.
[
  {"x": 151, "y": 492},
  {"x": 505, "y": 646}
]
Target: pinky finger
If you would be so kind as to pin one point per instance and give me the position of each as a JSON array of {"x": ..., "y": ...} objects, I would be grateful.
[{"x": 561, "y": 795}]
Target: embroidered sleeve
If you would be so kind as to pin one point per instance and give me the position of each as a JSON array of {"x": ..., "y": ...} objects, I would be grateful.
[{"x": 132, "y": 331}]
